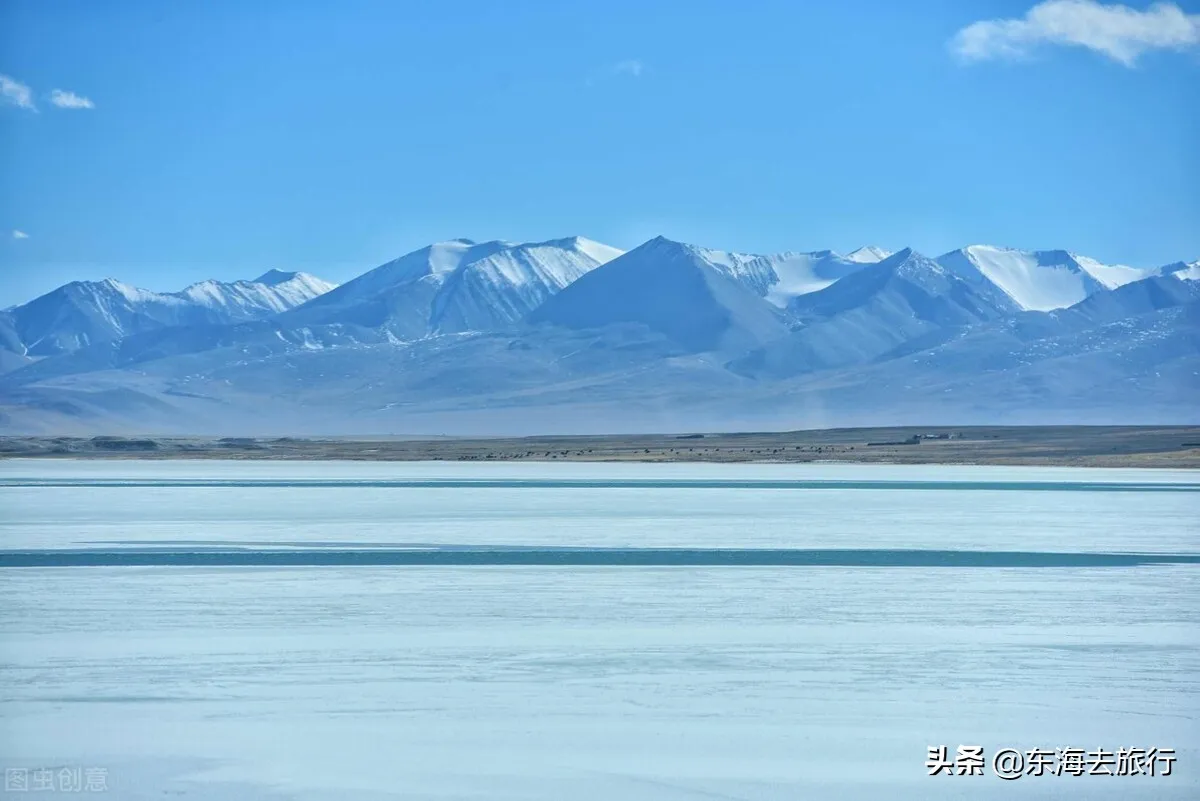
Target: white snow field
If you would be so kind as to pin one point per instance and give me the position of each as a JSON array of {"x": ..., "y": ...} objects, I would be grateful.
[
  {"x": 598, "y": 683},
  {"x": 1040, "y": 280}
]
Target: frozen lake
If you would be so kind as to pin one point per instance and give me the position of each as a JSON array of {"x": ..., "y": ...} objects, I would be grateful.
[{"x": 605, "y": 681}]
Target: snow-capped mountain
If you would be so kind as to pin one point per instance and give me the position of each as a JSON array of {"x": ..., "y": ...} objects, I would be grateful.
[
  {"x": 688, "y": 294},
  {"x": 1038, "y": 280},
  {"x": 571, "y": 335},
  {"x": 878, "y": 309},
  {"x": 782, "y": 277},
  {"x": 271, "y": 293},
  {"x": 12, "y": 350},
  {"x": 868, "y": 254},
  {"x": 1182, "y": 270},
  {"x": 1110, "y": 275},
  {"x": 778, "y": 277},
  {"x": 1175, "y": 288},
  {"x": 907, "y": 286},
  {"x": 85, "y": 313},
  {"x": 456, "y": 286}
]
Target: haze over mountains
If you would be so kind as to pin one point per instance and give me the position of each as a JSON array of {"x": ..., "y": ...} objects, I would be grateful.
[{"x": 572, "y": 336}]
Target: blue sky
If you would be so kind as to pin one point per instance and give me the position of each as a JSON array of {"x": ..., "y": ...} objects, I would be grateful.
[{"x": 226, "y": 138}]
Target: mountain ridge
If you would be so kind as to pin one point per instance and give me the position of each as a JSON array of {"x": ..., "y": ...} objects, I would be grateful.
[
  {"x": 457, "y": 285},
  {"x": 82, "y": 313},
  {"x": 467, "y": 335}
]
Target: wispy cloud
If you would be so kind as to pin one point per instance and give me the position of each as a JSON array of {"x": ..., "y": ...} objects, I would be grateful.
[
  {"x": 19, "y": 234},
  {"x": 631, "y": 67},
  {"x": 1116, "y": 31},
  {"x": 15, "y": 93},
  {"x": 64, "y": 99}
]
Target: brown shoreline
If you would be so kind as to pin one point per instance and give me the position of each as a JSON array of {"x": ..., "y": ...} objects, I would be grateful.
[{"x": 1081, "y": 446}]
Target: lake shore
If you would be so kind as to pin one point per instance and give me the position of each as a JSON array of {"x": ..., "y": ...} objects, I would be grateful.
[{"x": 1076, "y": 446}]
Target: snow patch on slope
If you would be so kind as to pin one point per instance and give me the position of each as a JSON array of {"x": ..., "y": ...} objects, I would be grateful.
[
  {"x": 1035, "y": 280},
  {"x": 1183, "y": 271},
  {"x": 252, "y": 299},
  {"x": 869, "y": 254},
  {"x": 1111, "y": 275},
  {"x": 799, "y": 274},
  {"x": 458, "y": 285},
  {"x": 504, "y": 286},
  {"x": 781, "y": 277},
  {"x": 84, "y": 313},
  {"x": 599, "y": 252},
  {"x": 556, "y": 263},
  {"x": 110, "y": 287},
  {"x": 433, "y": 262}
]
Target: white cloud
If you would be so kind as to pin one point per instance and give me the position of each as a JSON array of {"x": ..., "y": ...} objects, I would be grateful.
[
  {"x": 15, "y": 93},
  {"x": 19, "y": 234},
  {"x": 1117, "y": 31},
  {"x": 631, "y": 67},
  {"x": 64, "y": 99}
]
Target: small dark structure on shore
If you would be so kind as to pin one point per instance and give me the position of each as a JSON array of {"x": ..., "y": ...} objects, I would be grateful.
[{"x": 915, "y": 439}]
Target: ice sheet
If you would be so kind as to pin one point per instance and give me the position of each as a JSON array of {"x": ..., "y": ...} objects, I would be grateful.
[{"x": 595, "y": 683}]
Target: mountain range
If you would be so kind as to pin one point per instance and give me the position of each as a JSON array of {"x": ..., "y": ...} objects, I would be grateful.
[{"x": 572, "y": 336}]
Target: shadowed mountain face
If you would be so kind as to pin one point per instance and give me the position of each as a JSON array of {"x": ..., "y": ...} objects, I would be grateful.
[
  {"x": 570, "y": 335},
  {"x": 904, "y": 300},
  {"x": 907, "y": 286},
  {"x": 678, "y": 291},
  {"x": 1140, "y": 297}
]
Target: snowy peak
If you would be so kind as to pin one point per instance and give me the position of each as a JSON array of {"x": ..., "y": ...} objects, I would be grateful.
[
  {"x": 305, "y": 283},
  {"x": 1110, "y": 276},
  {"x": 109, "y": 290},
  {"x": 790, "y": 275},
  {"x": 662, "y": 252},
  {"x": 1136, "y": 298},
  {"x": 273, "y": 277},
  {"x": 868, "y": 254},
  {"x": 83, "y": 313},
  {"x": 689, "y": 295},
  {"x": 1183, "y": 271},
  {"x": 555, "y": 263},
  {"x": 574, "y": 327},
  {"x": 502, "y": 287},
  {"x": 599, "y": 252},
  {"x": 252, "y": 300},
  {"x": 778, "y": 278},
  {"x": 698, "y": 297},
  {"x": 905, "y": 301},
  {"x": 430, "y": 266},
  {"x": 908, "y": 260},
  {"x": 907, "y": 285},
  {"x": 1041, "y": 280},
  {"x": 458, "y": 285},
  {"x": 438, "y": 259},
  {"x": 911, "y": 265}
]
